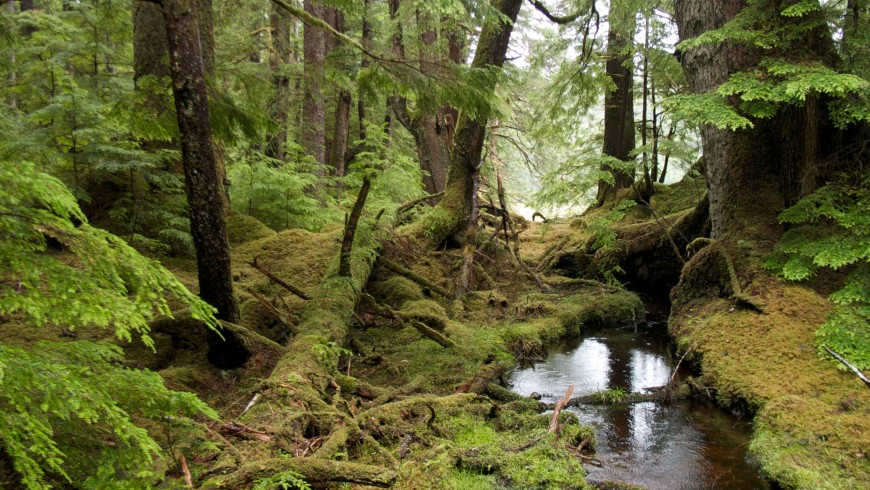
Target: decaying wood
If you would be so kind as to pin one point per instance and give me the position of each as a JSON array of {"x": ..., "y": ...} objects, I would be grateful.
[
  {"x": 188, "y": 479},
  {"x": 558, "y": 408},
  {"x": 350, "y": 229},
  {"x": 407, "y": 320},
  {"x": 315, "y": 471},
  {"x": 398, "y": 269},
  {"x": 284, "y": 284},
  {"x": 848, "y": 365}
]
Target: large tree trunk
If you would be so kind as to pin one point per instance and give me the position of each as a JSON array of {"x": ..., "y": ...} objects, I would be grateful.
[
  {"x": 202, "y": 177},
  {"x": 618, "y": 112},
  {"x": 280, "y": 56},
  {"x": 341, "y": 120},
  {"x": 313, "y": 109},
  {"x": 454, "y": 210},
  {"x": 732, "y": 158},
  {"x": 432, "y": 131}
]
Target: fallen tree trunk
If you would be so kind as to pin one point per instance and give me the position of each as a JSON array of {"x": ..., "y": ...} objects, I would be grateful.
[
  {"x": 315, "y": 471},
  {"x": 294, "y": 404}
]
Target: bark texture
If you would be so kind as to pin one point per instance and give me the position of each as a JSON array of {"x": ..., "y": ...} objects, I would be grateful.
[
  {"x": 454, "y": 210},
  {"x": 202, "y": 177},
  {"x": 728, "y": 155},
  {"x": 280, "y": 23},
  {"x": 313, "y": 107},
  {"x": 618, "y": 113}
]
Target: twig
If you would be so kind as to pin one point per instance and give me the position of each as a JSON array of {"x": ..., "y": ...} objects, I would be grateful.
[
  {"x": 271, "y": 309},
  {"x": 251, "y": 403},
  {"x": 284, "y": 284},
  {"x": 558, "y": 408},
  {"x": 188, "y": 479},
  {"x": 848, "y": 365}
]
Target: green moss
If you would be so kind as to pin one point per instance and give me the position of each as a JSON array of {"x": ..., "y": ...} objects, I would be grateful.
[
  {"x": 396, "y": 290},
  {"x": 427, "y": 311},
  {"x": 812, "y": 422},
  {"x": 242, "y": 228}
]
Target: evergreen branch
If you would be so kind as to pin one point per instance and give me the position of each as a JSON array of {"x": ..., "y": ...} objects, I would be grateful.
[{"x": 313, "y": 21}]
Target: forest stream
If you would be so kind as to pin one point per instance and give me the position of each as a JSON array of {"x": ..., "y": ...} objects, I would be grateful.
[{"x": 682, "y": 445}]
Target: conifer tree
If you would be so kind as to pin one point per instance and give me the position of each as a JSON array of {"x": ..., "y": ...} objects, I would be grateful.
[{"x": 202, "y": 178}]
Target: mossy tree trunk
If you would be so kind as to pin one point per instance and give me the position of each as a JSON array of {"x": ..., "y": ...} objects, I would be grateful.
[
  {"x": 754, "y": 174},
  {"x": 454, "y": 210},
  {"x": 202, "y": 177}
]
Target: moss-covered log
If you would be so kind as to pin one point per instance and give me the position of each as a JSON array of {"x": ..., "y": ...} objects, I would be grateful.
[{"x": 317, "y": 472}]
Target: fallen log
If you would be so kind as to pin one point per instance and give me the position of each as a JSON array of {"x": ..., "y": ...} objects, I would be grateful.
[{"x": 316, "y": 471}]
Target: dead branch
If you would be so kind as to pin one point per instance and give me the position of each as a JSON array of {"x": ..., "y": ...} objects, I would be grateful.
[
  {"x": 398, "y": 269},
  {"x": 848, "y": 365},
  {"x": 272, "y": 310},
  {"x": 350, "y": 229},
  {"x": 284, "y": 284},
  {"x": 558, "y": 408},
  {"x": 407, "y": 320}
]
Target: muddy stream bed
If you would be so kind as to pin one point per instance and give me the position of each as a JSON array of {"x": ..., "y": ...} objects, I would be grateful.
[{"x": 680, "y": 445}]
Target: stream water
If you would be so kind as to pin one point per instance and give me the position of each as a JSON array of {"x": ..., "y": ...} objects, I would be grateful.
[{"x": 681, "y": 445}]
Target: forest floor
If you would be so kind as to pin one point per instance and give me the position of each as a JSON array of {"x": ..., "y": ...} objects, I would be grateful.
[{"x": 415, "y": 397}]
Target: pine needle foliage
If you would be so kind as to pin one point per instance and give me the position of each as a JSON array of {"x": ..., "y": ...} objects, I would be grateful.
[
  {"x": 832, "y": 230},
  {"x": 59, "y": 400}
]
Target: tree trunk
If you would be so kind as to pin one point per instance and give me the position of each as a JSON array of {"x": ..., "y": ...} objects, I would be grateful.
[
  {"x": 618, "y": 113},
  {"x": 313, "y": 109},
  {"x": 431, "y": 131},
  {"x": 730, "y": 157},
  {"x": 341, "y": 134},
  {"x": 149, "y": 41},
  {"x": 280, "y": 56},
  {"x": 367, "y": 36},
  {"x": 454, "y": 210},
  {"x": 202, "y": 177},
  {"x": 341, "y": 126}
]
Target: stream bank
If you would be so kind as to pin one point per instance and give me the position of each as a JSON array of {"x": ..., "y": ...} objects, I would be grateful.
[{"x": 685, "y": 444}]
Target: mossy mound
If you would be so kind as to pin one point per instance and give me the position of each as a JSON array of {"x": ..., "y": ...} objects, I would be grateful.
[
  {"x": 242, "y": 228},
  {"x": 812, "y": 420},
  {"x": 396, "y": 290}
]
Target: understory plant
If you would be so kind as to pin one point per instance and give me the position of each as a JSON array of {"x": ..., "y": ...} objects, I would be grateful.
[
  {"x": 831, "y": 229},
  {"x": 69, "y": 410}
]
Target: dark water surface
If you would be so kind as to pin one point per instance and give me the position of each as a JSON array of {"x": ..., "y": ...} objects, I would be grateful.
[{"x": 683, "y": 445}]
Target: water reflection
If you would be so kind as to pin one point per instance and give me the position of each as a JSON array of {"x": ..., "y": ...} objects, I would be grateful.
[{"x": 679, "y": 446}]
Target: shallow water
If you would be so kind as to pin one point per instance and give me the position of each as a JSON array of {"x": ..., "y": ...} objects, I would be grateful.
[{"x": 684, "y": 445}]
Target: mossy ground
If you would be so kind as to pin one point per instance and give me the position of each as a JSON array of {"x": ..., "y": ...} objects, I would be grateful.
[{"x": 812, "y": 420}]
